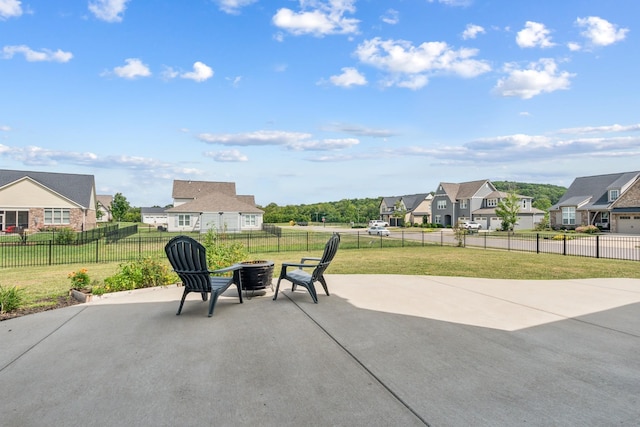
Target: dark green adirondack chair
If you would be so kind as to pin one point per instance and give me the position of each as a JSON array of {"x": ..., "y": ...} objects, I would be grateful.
[
  {"x": 189, "y": 260},
  {"x": 294, "y": 272}
]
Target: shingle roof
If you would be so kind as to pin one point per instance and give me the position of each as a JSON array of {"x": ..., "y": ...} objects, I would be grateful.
[
  {"x": 192, "y": 189},
  {"x": 216, "y": 202},
  {"x": 595, "y": 189},
  {"x": 463, "y": 190},
  {"x": 105, "y": 200},
  {"x": 75, "y": 187},
  {"x": 152, "y": 210}
]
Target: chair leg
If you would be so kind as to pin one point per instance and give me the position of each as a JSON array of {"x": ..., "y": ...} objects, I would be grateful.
[
  {"x": 184, "y": 295},
  {"x": 275, "y": 296},
  {"x": 212, "y": 303},
  {"x": 204, "y": 296},
  {"x": 312, "y": 290},
  {"x": 324, "y": 284}
]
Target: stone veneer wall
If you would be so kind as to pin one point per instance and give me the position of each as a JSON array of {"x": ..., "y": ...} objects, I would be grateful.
[{"x": 76, "y": 218}]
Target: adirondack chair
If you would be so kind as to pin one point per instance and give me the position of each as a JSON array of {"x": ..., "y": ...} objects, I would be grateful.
[
  {"x": 294, "y": 272},
  {"x": 189, "y": 260}
]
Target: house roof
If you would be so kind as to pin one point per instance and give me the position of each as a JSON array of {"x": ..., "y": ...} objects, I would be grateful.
[
  {"x": 153, "y": 210},
  {"x": 594, "y": 189},
  {"x": 105, "y": 200},
  {"x": 503, "y": 195},
  {"x": 75, "y": 187},
  {"x": 463, "y": 190},
  {"x": 411, "y": 201},
  {"x": 216, "y": 202},
  {"x": 193, "y": 189}
]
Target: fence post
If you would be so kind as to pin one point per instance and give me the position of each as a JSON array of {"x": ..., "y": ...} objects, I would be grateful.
[
  {"x": 403, "y": 238},
  {"x": 597, "y": 246},
  {"x": 537, "y": 243},
  {"x": 97, "y": 243},
  {"x": 50, "y": 249},
  {"x": 564, "y": 244}
]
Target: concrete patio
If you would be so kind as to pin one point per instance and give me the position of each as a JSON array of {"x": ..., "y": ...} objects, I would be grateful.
[{"x": 382, "y": 350}]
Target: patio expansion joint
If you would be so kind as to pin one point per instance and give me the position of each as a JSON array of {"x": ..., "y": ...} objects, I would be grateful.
[
  {"x": 41, "y": 340},
  {"x": 360, "y": 363}
]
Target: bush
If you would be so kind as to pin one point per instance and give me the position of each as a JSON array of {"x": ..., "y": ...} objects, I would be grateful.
[
  {"x": 10, "y": 299},
  {"x": 589, "y": 229},
  {"x": 79, "y": 279},
  {"x": 144, "y": 273},
  {"x": 65, "y": 236},
  {"x": 220, "y": 253}
]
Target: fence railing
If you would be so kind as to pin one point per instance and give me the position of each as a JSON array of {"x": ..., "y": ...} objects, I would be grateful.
[{"x": 119, "y": 247}]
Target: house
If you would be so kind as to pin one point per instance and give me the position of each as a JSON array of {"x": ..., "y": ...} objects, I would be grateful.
[
  {"x": 35, "y": 200},
  {"x": 416, "y": 207},
  {"x": 201, "y": 205},
  {"x": 103, "y": 208},
  {"x": 154, "y": 216},
  {"x": 477, "y": 201},
  {"x": 599, "y": 200}
]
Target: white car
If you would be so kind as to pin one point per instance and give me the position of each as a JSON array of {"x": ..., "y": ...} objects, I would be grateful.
[
  {"x": 471, "y": 225},
  {"x": 378, "y": 231}
]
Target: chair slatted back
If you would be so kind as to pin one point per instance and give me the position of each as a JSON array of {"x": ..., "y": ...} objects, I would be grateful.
[
  {"x": 189, "y": 260},
  {"x": 330, "y": 250}
]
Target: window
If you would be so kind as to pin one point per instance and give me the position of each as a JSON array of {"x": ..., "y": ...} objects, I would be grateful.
[
  {"x": 569, "y": 215},
  {"x": 249, "y": 220},
  {"x": 442, "y": 204},
  {"x": 463, "y": 204},
  {"x": 613, "y": 195},
  {"x": 438, "y": 219},
  {"x": 184, "y": 220},
  {"x": 56, "y": 216},
  {"x": 524, "y": 203},
  {"x": 492, "y": 203}
]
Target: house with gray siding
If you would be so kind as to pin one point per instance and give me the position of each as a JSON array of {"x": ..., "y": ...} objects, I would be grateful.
[
  {"x": 416, "y": 208},
  {"x": 201, "y": 205}
]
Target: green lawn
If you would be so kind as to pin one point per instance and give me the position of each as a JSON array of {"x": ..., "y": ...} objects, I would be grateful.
[{"x": 46, "y": 282}]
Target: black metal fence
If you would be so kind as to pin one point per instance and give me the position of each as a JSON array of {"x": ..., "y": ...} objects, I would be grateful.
[{"x": 119, "y": 246}]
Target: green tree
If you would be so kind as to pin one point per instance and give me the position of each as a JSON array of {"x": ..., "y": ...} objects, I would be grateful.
[
  {"x": 399, "y": 212},
  {"x": 507, "y": 210},
  {"x": 119, "y": 207}
]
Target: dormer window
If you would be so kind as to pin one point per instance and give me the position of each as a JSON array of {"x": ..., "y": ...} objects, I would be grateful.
[{"x": 613, "y": 195}]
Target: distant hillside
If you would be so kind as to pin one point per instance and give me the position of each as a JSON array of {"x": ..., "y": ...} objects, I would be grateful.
[{"x": 544, "y": 195}]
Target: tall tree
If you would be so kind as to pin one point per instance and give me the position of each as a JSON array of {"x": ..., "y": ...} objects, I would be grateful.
[
  {"x": 119, "y": 207},
  {"x": 507, "y": 210}
]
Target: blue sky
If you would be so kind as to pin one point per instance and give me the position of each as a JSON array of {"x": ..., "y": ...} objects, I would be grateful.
[{"x": 318, "y": 100}]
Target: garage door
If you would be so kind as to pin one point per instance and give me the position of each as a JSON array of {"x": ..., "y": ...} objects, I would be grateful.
[{"x": 629, "y": 224}]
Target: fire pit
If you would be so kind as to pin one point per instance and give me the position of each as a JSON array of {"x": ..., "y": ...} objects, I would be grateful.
[{"x": 256, "y": 275}]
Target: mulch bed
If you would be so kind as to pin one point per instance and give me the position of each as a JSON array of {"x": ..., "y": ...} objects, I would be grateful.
[{"x": 59, "y": 302}]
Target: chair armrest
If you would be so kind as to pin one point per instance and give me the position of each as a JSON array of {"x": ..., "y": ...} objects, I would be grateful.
[
  {"x": 286, "y": 265},
  {"x": 233, "y": 267},
  {"x": 310, "y": 259}
]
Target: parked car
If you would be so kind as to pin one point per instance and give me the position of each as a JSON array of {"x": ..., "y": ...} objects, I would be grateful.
[
  {"x": 378, "y": 223},
  {"x": 378, "y": 231},
  {"x": 471, "y": 225}
]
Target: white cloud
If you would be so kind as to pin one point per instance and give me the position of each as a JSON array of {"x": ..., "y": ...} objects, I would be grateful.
[
  {"x": 391, "y": 17},
  {"x": 5, "y": 128},
  {"x": 601, "y": 32},
  {"x": 257, "y": 138},
  {"x": 233, "y": 6},
  {"x": 534, "y": 34},
  {"x": 34, "y": 56},
  {"x": 10, "y": 9},
  {"x": 574, "y": 47},
  {"x": 227, "y": 156},
  {"x": 452, "y": 2},
  {"x": 359, "y": 130},
  {"x": 108, "y": 10},
  {"x": 540, "y": 77},
  {"x": 318, "y": 18},
  {"x": 472, "y": 31},
  {"x": 292, "y": 140},
  {"x": 349, "y": 77},
  {"x": 601, "y": 129},
  {"x": 408, "y": 65},
  {"x": 134, "y": 68},
  {"x": 200, "y": 73}
]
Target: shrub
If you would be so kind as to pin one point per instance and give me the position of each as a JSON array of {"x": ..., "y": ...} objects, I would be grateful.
[
  {"x": 10, "y": 299},
  {"x": 144, "y": 273},
  {"x": 79, "y": 279},
  {"x": 65, "y": 236},
  {"x": 221, "y": 253},
  {"x": 589, "y": 229}
]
